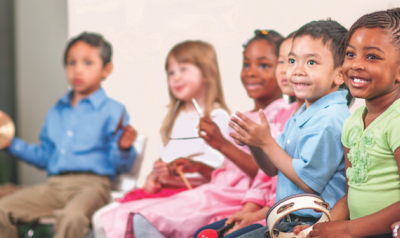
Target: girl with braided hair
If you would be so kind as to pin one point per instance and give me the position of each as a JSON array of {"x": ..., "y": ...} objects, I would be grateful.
[{"x": 371, "y": 136}]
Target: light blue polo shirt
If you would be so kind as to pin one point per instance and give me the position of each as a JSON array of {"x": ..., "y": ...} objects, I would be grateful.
[{"x": 312, "y": 137}]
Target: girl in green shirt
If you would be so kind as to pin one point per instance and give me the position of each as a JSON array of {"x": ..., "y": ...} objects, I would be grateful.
[{"x": 371, "y": 136}]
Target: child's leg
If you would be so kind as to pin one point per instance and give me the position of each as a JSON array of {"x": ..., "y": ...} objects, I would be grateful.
[
  {"x": 244, "y": 230},
  {"x": 214, "y": 226},
  {"x": 26, "y": 205},
  {"x": 97, "y": 224},
  {"x": 258, "y": 233},
  {"x": 90, "y": 192},
  {"x": 144, "y": 229}
]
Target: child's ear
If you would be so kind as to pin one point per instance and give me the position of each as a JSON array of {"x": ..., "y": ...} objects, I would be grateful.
[
  {"x": 398, "y": 75},
  {"x": 338, "y": 80},
  {"x": 107, "y": 69}
]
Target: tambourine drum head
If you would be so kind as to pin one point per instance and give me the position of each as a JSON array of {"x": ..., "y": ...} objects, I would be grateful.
[{"x": 7, "y": 130}]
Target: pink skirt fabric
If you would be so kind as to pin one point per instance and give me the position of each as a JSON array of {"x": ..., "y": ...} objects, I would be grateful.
[
  {"x": 139, "y": 193},
  {"x": 182, "y": 214}
]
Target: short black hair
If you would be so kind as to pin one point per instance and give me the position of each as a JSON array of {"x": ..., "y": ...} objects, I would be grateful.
[
  {"x": 330, "y": 32},
  {"x": 94, "y": 40},
  {"x": 271, "y": 36},
  {"x": 388, "y": 20}
]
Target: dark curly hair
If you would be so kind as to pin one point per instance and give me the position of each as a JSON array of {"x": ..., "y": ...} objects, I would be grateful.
[
  {"x": 271, "y": 36},
  {"x": 94, "y": 40}
]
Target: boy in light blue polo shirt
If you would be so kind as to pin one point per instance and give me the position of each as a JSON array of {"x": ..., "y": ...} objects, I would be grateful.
[
  {"x": 308, "y": 155},
  {"x": 85, "y": 141}
]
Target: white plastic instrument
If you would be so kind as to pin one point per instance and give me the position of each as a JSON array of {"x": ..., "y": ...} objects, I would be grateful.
[{"x": 294, "y": 203}]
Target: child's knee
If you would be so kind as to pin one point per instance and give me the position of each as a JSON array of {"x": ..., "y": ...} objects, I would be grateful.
[{"x": 71, "y": 219}]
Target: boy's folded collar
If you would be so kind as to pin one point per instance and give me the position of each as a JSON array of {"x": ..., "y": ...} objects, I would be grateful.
[
  {"x": 303, "y": 115},
  {"x": 96, "y": 99}
]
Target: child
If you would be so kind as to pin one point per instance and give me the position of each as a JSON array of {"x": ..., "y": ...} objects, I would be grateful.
[
  {"x": 370, "y": 136},
  {"x": 308, "y": 155},
  {"x": 192, "y": 72},
  {"x": 181, "y": 214},
  {"x": 261, "y": 196},
  {"x": 84, "y": 142}
]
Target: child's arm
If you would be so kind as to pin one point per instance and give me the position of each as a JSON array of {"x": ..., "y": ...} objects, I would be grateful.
[
  {"x": 121, "y": 152},
  {"x": 35, "y": 154},
  {"x": 191, "y": 166},
  {"x": 374, "y": 224},
  {"x": 256, "y": 135},
  {"x": 216, "y": 140},
  {"x": 250, "y": 213}
]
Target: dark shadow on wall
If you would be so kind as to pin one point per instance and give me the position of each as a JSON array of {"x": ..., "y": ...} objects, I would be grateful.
[{"x": 8, "y": 171}]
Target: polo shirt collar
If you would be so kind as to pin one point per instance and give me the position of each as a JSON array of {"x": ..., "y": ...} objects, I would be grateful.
[
  {"x": 96, "y": 99},
  {"x": 303, "y": 115}
]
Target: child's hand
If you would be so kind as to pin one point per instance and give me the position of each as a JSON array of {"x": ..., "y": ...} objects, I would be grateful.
[
  {"x": 127, "y": 138},
  {"x": 396, "y": 229},
  {"x": 162, "y": 170},
  {"x": 332, "y": 229},
  {"x": 248, "y": 132},
  {"x": 152, "y": 184},
  {"x": 186, "y": 165},
  {"x": 213, "y": 135},
  {"x": 241, "y": 220}
]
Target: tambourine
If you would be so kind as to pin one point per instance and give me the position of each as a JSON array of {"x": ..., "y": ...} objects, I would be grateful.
[
  {"x": 290, "y": 204},
  {"x": 7, "y": 130}
]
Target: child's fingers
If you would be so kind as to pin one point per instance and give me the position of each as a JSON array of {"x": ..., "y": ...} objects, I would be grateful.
[
  {"x": 240, "y": 123},
  {"x": 239, "y": 130},
  {"x": 237, "y": 138},
  {"x": 297, "y": 229},
  {"x": 244, "y": 118}
]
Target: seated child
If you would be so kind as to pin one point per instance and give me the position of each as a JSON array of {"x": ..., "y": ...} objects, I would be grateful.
[
  {"x": 261, "y": 196},
  {"x": 370, "y": 136},
  {"x": 308, "y": 155},
  {"x": 85, "y": 141},
  {"x": 181, "y": 214}
]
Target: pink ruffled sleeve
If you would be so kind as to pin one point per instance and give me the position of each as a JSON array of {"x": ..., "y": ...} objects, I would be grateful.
[{"x": 263, "y": 190}]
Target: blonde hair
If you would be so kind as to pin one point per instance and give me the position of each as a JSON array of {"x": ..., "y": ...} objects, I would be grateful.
[{"x": 204, "y": 57}]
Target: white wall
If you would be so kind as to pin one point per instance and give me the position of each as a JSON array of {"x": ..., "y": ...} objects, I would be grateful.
[
  {"x": 41, "y": 34},
  {"x": 142, "y": 32}
]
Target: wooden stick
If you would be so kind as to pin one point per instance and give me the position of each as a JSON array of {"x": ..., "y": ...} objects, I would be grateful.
[{"x": 178, "y": 169}]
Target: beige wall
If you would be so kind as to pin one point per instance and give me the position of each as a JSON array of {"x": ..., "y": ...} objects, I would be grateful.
[
  {"x": 40, "y": 33},
  {"x": 142, "y": 32}
]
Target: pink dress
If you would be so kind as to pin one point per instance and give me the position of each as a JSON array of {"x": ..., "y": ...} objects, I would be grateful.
[
  {"x": 263, "y": 189},
  {"x": 182, "y": 214}
]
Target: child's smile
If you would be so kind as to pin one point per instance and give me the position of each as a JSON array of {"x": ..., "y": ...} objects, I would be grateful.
[
  {"x": 311, "y": 69},
  {"x": 370, "y": 63},
  {"x": 258, "y": 76}
]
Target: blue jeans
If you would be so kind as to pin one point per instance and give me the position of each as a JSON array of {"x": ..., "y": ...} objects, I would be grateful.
[{"x": 219, "y": 224}]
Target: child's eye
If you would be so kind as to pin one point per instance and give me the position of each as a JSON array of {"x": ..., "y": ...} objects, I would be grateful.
[
  {"x": 183, "y": 69},
  {"x": 71, "y": 63},
  {"x": 245, "y": 65},
  {"x": 281, "y": 62},
  {"x": 292, "y": 61},
  {"x": 88, "y": 62},
  {"x": 371, "y": 57},
  {"x": 312, "y": 62},
  {"x": 170, "y": 73},
  {"x": 350, "y": 54},
  {"x": 264, "y": 66}
]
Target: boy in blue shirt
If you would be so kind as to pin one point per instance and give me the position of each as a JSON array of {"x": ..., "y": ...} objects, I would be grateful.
[
  {"x": 308, "y": 155},
  {"x": 85, "y": 141}
]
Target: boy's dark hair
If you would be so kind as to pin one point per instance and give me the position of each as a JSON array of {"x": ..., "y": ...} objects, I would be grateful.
[
  {"x": 94, "y": 40},
  {"x": 388, "y": 20},
  {"x": 330, "y": 32},
  {"x": 271, "y": 36}
]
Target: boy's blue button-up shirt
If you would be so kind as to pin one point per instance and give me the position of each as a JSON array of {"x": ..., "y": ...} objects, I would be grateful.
[
  {"x": 312, "y": 137},
  {"x": 80, "y": 139}
]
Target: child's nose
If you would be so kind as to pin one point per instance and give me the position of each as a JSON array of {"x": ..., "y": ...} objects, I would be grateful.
[
  {"x": 299, "y": 70},
  {"x": 252, "y": 71},
  {"x": 357, "y": 64}
]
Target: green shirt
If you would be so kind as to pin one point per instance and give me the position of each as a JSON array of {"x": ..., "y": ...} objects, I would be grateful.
[{"x": 373, "y": 177}]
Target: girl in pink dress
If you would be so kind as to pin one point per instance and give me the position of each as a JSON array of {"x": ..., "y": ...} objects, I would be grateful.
[
  {"x": 181, "y": 215},
  {"x": 261, "y": 196}
]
